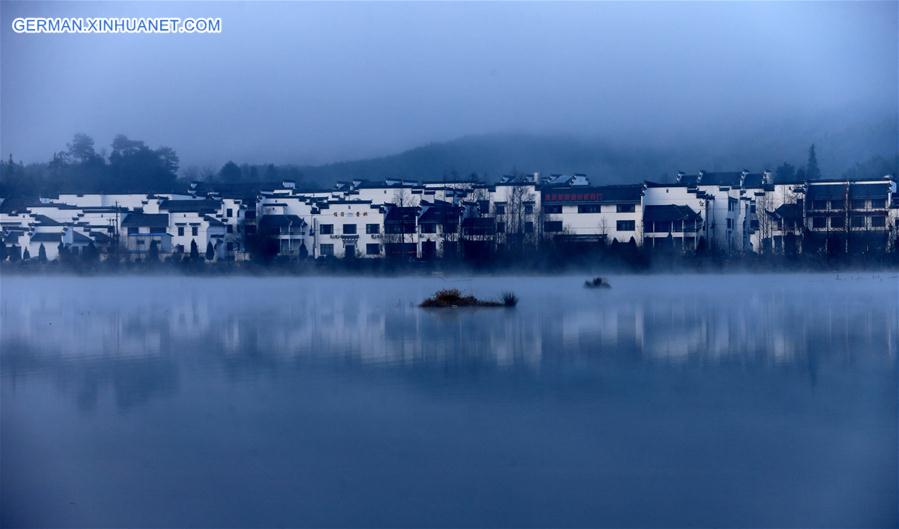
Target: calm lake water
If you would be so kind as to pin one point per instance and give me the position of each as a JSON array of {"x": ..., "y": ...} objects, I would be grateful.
[{"x": 741, "y": 400}]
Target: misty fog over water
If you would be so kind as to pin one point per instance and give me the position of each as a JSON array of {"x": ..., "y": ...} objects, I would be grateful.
[{"x": 733, "y": 400}]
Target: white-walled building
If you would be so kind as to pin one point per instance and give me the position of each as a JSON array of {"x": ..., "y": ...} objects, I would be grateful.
[
  {"x": 585, "y": 214},
  {"x": 730, "y": 215},
  {"x": 347, "y": 228},
  {"x": 728, "y": 212},
  {"x": 142, "y": 231}
]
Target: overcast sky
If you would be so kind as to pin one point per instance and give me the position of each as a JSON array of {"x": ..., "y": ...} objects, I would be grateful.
[{"x": 316, "y": 82}]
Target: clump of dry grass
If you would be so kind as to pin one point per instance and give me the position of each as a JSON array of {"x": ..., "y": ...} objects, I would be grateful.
[{"x": 452, "y": 297}]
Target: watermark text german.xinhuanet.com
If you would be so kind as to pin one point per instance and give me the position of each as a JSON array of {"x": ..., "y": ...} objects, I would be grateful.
[{"x": 116, "y": 25}]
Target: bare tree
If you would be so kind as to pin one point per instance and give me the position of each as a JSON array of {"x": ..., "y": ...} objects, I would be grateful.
[{"x": 401, "y": 197}]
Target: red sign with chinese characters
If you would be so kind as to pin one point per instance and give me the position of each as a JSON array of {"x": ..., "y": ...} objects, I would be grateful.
[{"x": 570, "y": 196}]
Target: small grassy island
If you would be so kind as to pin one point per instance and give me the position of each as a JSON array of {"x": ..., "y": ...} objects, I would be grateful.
[
  {"x": 597, "y": 282},
  {"x": 451, "y": 298}
]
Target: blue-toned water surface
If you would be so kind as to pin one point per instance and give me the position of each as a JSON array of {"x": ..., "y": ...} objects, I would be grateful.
[{"x": 678, "y": 401}]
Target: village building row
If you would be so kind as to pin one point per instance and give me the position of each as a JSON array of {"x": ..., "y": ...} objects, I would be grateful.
[{"x": 727, "y": 212}]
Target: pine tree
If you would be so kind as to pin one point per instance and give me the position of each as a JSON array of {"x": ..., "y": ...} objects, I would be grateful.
[
  {"x": 3, "y": 252},
  {"x": 26, "y": 255},
  {"x": 784, "y": 173},
  {"x": 210, "y": 251},
  {"x": 194, "y": 251},
  {"x": 812, "y": 171},
  {"x": 41, "y": 253}
]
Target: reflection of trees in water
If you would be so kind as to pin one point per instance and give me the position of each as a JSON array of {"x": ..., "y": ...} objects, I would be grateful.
[{"x": 140, "y": 347}]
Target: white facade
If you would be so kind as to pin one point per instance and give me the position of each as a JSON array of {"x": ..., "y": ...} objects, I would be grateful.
[
  {"x": 347, "y": 228},
  {"x": 737, "y": 212},
  {"x": 593, "y": 214}
]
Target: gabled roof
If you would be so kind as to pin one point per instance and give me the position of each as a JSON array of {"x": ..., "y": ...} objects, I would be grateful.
[{"x": 152, "y": 220}]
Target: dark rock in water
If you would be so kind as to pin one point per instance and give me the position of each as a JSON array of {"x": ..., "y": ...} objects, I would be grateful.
[
  {"x": 597, "y": 282},
  {"x": 450, "y": 298}
]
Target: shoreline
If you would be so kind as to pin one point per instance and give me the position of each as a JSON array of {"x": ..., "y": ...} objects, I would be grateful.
[{"x": 386, "y": 270}]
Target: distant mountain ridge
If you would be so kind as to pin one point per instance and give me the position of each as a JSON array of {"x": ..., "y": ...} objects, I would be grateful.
[{"x": 489, "y": 156}]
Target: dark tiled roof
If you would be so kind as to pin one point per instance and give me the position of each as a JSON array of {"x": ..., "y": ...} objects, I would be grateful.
[
  {"x": 44, "y": 220},
  {"x": 188, "y": 206},
  {"x": 876, "y": 191},
  {"x": 669, "y": 213},
  {"x": 349, "y": 202},
  {"x": 439, "y": 213},
  {"x": 566, "y": 180},
  {"x": 789, "y": 211},
  {"x": 46, "y": 237},
  {"x": 401, "y": 214},
  {"x": 622, "y": 193},
  {"x": 247, "y": 190},
  {"x": 17, "y": 204},
  {"x": 753, "y": 181},
  {"x": 213, "y": 221},
  {"x": 450, "y": 181},
  {"x": 152, "y": 220},
  {"x": 78, "y": 238},
  {"x": 826, "y": 191},
  {"x": 102, "y": 209},
  {"x": 368, "y": 184},
  {"x": 649, "y": 183},
  {"x": 730, "y": 179}
]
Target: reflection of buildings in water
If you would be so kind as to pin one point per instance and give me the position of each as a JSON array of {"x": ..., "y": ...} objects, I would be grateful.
[
  {"x": 114, "y": 340},
  {"x": 720, "y": 328},
  {"x": 377, "y": 331}
]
